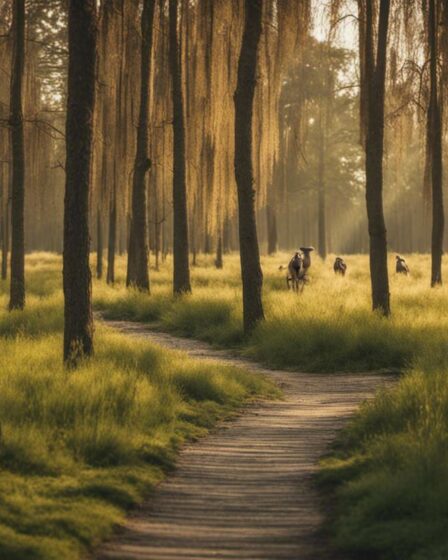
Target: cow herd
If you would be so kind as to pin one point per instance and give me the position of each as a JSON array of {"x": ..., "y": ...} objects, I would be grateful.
[{"x": 297, "y": 269}]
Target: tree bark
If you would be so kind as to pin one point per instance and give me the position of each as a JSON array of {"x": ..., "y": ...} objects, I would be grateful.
[
  {"x": 2, "y": 229},
  {"x": 157, "y": 245},
  {"x": 375, "y": 83},
  {"x": 110, "y": 278},
  {"x": 78, "y": 322},
  {"x": 271, "y": 219},
  {"x": 99, "y": 245},
  {"x": 138, "y": 269},
  {"x": 17, "y": 288},
  {"x": 5, "y": 229},
  {"x": 181, "y": 275},
  {"x": 435, "y": 147},
  {"x": 252, "y": 277},
  {"x": 164, "y": 241},
  {"x": 219, "y": 261},
  {"x": 226, "y": 235},
  {"x": 271, "y": 214},
  {"x": 157, "y": 230},
  {"x": 194, "y": 235},
  {"x": 207, "y": 241}
]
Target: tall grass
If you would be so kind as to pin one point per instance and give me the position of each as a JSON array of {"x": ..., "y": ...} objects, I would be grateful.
[
  {"x": 79, "y": 447},
  {"x": 389, "y": 470},
  {"x": 329, "y": 327}
]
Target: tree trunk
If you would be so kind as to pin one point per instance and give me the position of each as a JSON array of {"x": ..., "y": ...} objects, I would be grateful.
[
  {"x": 5, "y": 233},
  {"x": 194, "y": 236},
  {"x": 375, "y": 84},
  {"x": 435, "y": 146},
  {"x": 99, "y": 245},
  {"x": 271, "y": 219},
  {"x": 321, "y": 210},
  {"x": 252, "y": 277},
  {"x": 112, "y": 241},
  {"x": 164, "y": 241},
  {"x": 194, "y": 252},
  {"x": 207, "y": 241},
  {"x": 138, "y": 269},
  {"x": 272, "y": 229},
  {"x": 219, "y": 262},
  {"x": 181, "y": 275},
  {"x": 17, "y": 291},
  {"x": 78, "y": 322},
  {"x": 157, "y": 224},
  {"x": 157, "y": 245},
  {"x": 226, "y": 236},
  {"x": 2, "y": 229},
  {"x": 322, "y": 225}
]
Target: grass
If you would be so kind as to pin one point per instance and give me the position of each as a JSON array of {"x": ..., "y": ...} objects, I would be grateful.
[
  {"x": 388, "y": 472},
  {"x": 328, "y": 328},
  {"x": 78, "y": 448}
]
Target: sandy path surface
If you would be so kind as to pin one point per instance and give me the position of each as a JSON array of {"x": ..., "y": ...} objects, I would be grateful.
[{"x": 245, "y": 491}]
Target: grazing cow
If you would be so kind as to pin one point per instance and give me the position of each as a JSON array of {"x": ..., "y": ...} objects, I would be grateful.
[
  {"x": 339, "y": 266},
  {"x": 401, "y": 266}
]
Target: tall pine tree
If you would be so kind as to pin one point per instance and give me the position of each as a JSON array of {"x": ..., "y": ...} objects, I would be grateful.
[{"x": 78, "y": 322}]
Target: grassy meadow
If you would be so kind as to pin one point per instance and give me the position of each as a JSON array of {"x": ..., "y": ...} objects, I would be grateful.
[
  {"x": 327, "y": 328},
  {"x": 388, "y": 472},
  {"x": 77, "y": 448}
]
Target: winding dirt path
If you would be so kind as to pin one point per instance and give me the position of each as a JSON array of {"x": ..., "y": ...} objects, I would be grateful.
[{"x": 245, "y": 491}]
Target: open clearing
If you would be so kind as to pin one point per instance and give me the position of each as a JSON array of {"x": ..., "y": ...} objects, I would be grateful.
[{"x": 246, "y": 491}]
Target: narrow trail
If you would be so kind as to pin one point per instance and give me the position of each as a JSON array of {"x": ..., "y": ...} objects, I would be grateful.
[{"x": 245, "y": 491}]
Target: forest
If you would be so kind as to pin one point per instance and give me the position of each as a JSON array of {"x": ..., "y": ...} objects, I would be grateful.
[{"x": 223, "y": 316}]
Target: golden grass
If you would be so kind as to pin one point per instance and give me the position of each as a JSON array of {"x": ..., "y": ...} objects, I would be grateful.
[
  {"x": 389, "y": 470},
  {"x": 79, "y": 447},
  {"x": 329, "y": 327}
]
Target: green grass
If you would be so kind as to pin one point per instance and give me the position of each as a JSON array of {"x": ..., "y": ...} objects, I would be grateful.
[
  {"x": 387, "y": 475},
  {"x": 77, "y": 448},
  {"x": 327, "y": 328},
  {"x": 388, "y": 472}
]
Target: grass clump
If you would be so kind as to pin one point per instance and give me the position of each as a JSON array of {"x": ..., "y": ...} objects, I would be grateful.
[
  {"x": 213, "y": 318},
  {"x": 79, "y": 447},
  {"x": 389, "y": 473}
]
